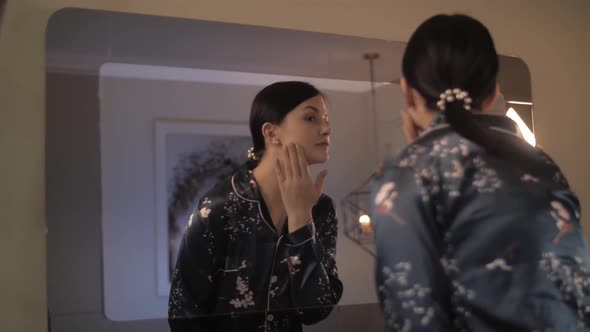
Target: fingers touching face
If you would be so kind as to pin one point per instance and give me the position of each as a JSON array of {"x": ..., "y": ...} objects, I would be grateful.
[{"x": 292, "y": 162}]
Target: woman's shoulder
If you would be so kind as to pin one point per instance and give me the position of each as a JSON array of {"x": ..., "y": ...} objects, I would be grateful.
[
  {"x": 234, "y": 185},
  {"x": 220, "y": 190},
  {"x": 214, "y": 202},
  {"x": 438, "y": 139},
  {"x": 430, "y": 154},
  {"x": 211, "y": 203}
]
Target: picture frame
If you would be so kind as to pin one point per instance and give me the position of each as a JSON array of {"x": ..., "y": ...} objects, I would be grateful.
[{"x": 190, "y": 157}]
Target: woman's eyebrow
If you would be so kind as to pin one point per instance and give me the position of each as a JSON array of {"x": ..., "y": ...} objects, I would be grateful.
[{"x": 312, "y": 108}]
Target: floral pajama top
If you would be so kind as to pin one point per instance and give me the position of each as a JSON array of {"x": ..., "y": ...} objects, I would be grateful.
[
  {"x": 470, "y": 242},
  {"x": 236, "y": 273}
]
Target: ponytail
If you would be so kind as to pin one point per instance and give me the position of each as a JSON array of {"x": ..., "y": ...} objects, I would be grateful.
[{"x": 465, "y": 124}]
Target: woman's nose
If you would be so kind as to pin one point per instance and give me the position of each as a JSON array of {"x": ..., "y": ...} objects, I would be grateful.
[{"x": 326, "y": 130}]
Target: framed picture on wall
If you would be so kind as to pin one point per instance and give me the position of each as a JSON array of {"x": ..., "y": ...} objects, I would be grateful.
[{"x": 190, "y": 157}]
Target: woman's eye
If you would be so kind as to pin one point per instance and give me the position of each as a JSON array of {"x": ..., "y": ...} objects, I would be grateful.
[{"x": 310, "y": 118}]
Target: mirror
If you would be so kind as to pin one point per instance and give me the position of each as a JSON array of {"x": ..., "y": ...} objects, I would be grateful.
[{"x": 134, "y": 100}]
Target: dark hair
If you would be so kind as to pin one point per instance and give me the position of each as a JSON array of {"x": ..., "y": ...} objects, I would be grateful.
[
  {"x": 454, "y": 51},
  {"x": 273, "y": 103}
]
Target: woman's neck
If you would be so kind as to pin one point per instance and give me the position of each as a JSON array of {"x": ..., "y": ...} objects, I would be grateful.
[
  {"x": 268, "y": 185},
  {"x": 426, "y": 119},
  {"x": 267, "y": 182}
]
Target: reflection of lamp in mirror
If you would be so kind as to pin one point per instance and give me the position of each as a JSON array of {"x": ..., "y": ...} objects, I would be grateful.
[
  {"x": 357, "y": 223},
  {"x": 355, "y": 217},
  {"x": 524, "y": 129},
  {"x": 371, "y": 57},
  {"x": 365, "y": 222}
]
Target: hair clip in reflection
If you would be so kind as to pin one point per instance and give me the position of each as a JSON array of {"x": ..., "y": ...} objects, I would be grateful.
[{"x": 252, "y": 154}]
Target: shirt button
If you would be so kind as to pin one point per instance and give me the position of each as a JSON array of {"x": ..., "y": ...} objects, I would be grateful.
[{"x": 270, "y": 317}]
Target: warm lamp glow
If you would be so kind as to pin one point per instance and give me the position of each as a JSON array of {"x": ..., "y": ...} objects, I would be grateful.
[
  {"x": 526, "y": 132},
  {"x": 365, "y": 222},
  {"x": 364, "y": 219}
]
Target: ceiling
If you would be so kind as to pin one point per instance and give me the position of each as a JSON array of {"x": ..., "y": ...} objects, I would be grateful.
[
  {"x": 151, "y": 72},
  {"x": 80, "y": 40}
]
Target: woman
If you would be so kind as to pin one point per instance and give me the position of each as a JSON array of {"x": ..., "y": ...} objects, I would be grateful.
[
  {"x": 475, "y": 229},
  {"x": 258, "y": 253}
]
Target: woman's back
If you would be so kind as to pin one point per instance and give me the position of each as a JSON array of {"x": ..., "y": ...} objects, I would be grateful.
[{"x": 467, "y": 240}]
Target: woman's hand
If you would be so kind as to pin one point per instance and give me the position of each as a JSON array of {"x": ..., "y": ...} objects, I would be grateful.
[{"x": 298, "y": 192}]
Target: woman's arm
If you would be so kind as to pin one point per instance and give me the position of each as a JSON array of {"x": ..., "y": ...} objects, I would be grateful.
[
  {"x": 192, "y": 294},
  {"x": 311, "y": 243},
  {"x": 311, "y": 255}
]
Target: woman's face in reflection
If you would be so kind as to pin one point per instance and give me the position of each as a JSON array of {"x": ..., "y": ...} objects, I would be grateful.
[{"x": 307, "y": 125}]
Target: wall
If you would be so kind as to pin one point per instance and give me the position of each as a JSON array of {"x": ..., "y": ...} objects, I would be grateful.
[
  {"x": 74, "y": 275},
  {"x": 551, "y": 37}
]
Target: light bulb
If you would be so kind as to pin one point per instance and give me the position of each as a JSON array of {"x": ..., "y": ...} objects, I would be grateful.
[{"x": 364, "y": 219}]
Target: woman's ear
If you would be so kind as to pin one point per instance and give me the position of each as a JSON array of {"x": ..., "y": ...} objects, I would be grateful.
[
  {"x": 407, "y": 93},
  {"x": 270, "y": 133}
]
